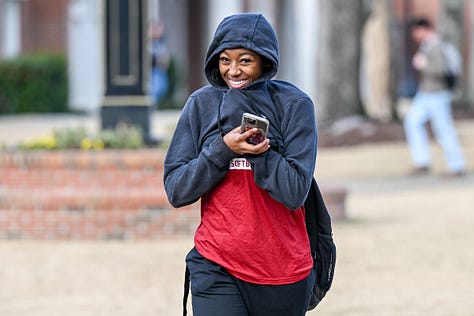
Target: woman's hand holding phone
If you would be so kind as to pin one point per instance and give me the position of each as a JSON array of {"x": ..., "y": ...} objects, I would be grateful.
[{"x": 237, "y": 142}]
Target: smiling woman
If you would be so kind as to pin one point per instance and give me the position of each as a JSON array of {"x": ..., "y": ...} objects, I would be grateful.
[
  {"x": 252, "y": 242},
  {"x": 239, "y": 67}
]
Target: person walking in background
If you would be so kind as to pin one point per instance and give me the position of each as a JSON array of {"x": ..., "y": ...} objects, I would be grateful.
[
  {"x": 251, "y": 252},
  {"x": 432, "y": 103},
  {"x": 160, "y": 60}
]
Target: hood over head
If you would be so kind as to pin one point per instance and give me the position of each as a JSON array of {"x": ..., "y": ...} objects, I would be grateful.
[{"x": 247, "y": 30}]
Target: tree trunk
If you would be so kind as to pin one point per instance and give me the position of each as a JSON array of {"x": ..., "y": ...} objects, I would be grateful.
[
  {"x": 338, "y": 59},
  {"x": 376, "y": 74}
]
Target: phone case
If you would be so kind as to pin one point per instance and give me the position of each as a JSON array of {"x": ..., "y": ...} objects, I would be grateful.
[{"x": 250, "y": 121}]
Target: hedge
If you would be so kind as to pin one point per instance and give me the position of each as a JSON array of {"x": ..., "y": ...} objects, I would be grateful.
[{"x": 34, "y": 83}]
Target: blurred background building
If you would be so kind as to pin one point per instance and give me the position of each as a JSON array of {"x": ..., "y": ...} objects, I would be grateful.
[{"x": 351, "y": 56}]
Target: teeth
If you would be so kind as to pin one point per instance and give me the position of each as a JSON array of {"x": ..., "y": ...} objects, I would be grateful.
[{"x": 237, "y": 82}]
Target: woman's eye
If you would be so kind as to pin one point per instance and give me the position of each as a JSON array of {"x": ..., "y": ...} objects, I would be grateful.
[
  {"x": 245, "y": 60},
  {"x": 223, "y": 59}
]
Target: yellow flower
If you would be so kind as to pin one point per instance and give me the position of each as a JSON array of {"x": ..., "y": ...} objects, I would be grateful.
[
  {"x": 47, "y": 141},
  {"x": 98, "y": 144},
  {"x": 95, "y": 144},
  {"x": 42, "y": 142},
  {"x": 86, "y": 144}
]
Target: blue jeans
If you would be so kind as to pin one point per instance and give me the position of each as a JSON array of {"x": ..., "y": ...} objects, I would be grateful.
[
  {"x": 215, "y": 293},
  {"x": 434, "y": 107},
  {"x": 158, "y": 84}
]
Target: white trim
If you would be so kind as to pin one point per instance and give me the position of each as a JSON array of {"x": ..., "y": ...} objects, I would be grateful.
[{"x": 12, "y": 29}]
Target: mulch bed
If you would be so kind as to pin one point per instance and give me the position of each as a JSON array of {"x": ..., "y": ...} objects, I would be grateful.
[{"x": 357, "y": 130}]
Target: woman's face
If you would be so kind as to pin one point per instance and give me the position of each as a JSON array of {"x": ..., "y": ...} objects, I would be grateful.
[{"x": 240, "y": 66}]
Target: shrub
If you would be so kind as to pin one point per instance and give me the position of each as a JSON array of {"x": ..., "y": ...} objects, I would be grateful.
[
  {"x": 33, "y": 83},
  {"x": 124, "y": 136}
]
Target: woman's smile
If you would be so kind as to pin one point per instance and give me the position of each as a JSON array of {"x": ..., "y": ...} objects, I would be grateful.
[{"x": 237, "y": 84}]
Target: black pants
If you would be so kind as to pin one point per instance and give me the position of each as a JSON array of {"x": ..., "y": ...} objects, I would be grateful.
[{"x": 217, "y": 293}]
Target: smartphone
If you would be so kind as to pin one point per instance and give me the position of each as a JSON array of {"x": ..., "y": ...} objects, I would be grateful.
[{"x": 250, "y": 121}]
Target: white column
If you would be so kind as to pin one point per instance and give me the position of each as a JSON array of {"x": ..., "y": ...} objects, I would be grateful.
[
  {"x": 268, "y": 8},
  {"x": 85, "y": 55},
  {"x": 12, "y": 29},
  {"x": 153, "y": 10},
  {"x": 306, "y": 46},
  {"x": 218, "y": 10}
]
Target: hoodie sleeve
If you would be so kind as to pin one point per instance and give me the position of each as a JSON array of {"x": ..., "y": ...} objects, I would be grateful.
[
  {"x": 287, "y": 173},
  {"x": 191, "y": 171}
]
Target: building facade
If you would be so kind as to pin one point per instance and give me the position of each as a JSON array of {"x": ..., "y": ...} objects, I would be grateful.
[{"x": 76, "y": 28}]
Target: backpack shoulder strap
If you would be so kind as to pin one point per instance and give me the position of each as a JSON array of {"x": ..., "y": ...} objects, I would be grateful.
[{"x": 186, "y": 291}]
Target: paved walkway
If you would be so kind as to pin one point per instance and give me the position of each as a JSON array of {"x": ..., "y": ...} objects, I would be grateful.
[{"x": 405, "y": 249}]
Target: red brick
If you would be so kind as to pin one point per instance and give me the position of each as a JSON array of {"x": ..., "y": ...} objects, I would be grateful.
[{"x": 88, "y": 195}]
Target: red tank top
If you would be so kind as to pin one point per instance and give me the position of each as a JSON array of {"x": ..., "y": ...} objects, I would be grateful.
[{"x": 254, "y": 237}]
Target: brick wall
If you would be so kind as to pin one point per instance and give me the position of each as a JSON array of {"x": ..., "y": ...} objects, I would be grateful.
[
  {"x": 88, "y": 195},
  {"x": 44, "y": 25},
  {"x": 97, "y": 195}
]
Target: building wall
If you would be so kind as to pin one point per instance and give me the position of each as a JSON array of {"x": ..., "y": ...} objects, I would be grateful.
[{"x": 44, "y": 25}]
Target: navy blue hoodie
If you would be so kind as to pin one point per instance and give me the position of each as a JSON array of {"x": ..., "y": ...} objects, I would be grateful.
[{"x": 198, "y": 159}]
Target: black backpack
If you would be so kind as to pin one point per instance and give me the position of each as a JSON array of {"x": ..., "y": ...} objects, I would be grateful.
[
  {"x": 323, "y": 249},
  {"x": 453, "y": 59}
]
